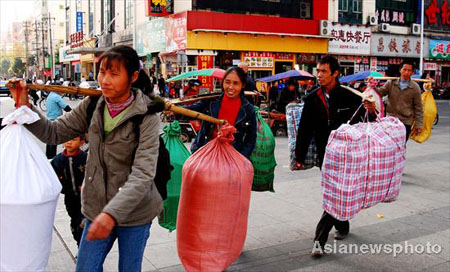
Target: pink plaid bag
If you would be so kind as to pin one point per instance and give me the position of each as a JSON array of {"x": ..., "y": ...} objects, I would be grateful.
[{"x": 363, "y": 166}]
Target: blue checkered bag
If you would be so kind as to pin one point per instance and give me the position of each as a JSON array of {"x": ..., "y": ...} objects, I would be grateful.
[{"x": 293, "y": 115}]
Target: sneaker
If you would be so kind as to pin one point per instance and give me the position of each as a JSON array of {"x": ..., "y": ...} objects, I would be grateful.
[
  {"x": 317, "y": 250},
  {"x": 339, "y": 236}
]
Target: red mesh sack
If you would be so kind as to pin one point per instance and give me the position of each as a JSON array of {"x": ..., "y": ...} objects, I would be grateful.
[{"x": 214, "y": 204}]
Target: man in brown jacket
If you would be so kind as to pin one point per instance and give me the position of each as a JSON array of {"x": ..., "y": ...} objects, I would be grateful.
[{"x": 404, "y": 99}]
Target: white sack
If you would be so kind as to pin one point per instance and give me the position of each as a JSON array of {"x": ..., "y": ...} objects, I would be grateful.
[{"x": 29, "y": 190}]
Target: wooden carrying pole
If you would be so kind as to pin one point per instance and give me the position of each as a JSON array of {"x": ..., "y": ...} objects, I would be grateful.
[
  {"x": 193, "y": 114},
  {"x": 358, "y": 93},
  {"x": 91, "y": 92},
  {"x": 203, "y": 97},
  {"x": 395, "y": 78},
  {"x": 62, "y": 89}
]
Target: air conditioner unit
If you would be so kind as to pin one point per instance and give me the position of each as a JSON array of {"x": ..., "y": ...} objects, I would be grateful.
[
  {"x": 373, "y": 20},
  {"x": 415, "y": 29},
  {"x": 325, "y": 28},
  {"x": 384, "y": 27}
]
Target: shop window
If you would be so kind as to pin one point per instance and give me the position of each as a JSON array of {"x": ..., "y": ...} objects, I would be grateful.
[
  {"x": 128, "y": 13},
  {"x": 305, "y": 9},
  {"x": 350, "y": 12},
  {"x": 357, "y": 6}
]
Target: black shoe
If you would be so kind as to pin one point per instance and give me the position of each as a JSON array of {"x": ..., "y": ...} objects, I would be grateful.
[{"x": 339, "y": 236}]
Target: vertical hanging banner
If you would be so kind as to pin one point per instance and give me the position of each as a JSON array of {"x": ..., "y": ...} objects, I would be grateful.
[
  {"x": 159, "y": 7},
  {"x": 79, "y": 21},
  {"x": 176, "y": 32},
  {"x": 205, "y": 62}
]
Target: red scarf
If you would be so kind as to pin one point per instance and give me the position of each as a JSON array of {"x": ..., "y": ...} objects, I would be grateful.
[{"x": 229, "y": 110}]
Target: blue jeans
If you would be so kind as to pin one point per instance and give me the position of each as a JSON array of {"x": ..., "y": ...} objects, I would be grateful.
[{"x": 132, "y": 241}]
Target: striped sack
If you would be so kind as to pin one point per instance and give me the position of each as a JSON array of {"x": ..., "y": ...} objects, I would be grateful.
[
  {"x": 293, "y": 115},
  {"x": 363, "y": 166}
]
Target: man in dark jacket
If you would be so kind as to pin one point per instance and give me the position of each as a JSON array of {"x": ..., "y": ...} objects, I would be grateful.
[{"x": 325, "y": 110}]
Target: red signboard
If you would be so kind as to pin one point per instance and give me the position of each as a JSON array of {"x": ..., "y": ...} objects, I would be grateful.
[
  {"x": 176, "y": 34},
  {"x": 76, "y": 39},
  {"x": 205, "y": 62},
  {"x": 159, "y": 7}
]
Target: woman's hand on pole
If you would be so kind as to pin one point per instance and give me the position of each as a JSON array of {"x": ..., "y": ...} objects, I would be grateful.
[{"x": 19, "y": 92}]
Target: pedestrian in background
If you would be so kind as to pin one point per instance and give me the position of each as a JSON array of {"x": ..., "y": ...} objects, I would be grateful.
[
  {"x": 55, "y": 106},
  {"x": 69, "y": 166},
  {"x": 404, "y": 99}
]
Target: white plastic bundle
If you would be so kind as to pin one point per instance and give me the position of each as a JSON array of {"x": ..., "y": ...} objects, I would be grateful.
[{"x": 29, "y": 191}]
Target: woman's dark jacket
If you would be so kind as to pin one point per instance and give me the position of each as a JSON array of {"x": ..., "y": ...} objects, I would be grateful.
[{"x": 245, "y": 136}]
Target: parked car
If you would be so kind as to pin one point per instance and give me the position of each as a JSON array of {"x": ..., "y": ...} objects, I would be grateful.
[{"x": 3, "y": 89}]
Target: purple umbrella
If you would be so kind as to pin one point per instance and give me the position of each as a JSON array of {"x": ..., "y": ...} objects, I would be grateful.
[{"x": 297, "y": 74}]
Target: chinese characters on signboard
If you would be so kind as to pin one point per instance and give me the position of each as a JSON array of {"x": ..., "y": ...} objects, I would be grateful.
[
  {"x": 205, "y": 62},
  {"x": 264, "y": 59},
  {"x": 176, "y": 33},
  {"x": 396, "y": 45},
  {"x": 159, "y": 7},
  {"x": 391, "y": 16},
  {"x": 437, "y": 14},
  {"x": 76, "y": 39},
  {"x": 346, "y": 39},
  {"x": 79, "y": 21},
  {"x": 439, "y": 49}
]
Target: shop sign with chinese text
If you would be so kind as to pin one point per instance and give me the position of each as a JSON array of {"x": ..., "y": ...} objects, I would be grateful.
[
  {"x": 397, "y": 46},
  {"x": 346, "y": 39},
  {"x": 76, "y": 39},
  {"x": 437, "y": 15},
  {"x": 439, "y": 49},
  {"x": 205, "y": 62},
  {"x": 159, "y": 7},
  {"x": 264, "y": 59},
  {"x": 176, "y": 32}
]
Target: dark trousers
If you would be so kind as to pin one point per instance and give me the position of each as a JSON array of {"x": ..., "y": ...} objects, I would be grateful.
[
  {"x": 73, "y": 207},
  {"x": 325, "y": 225},
  {"x": 50, "y": 151},
  {"x": 408, "y": 131}
]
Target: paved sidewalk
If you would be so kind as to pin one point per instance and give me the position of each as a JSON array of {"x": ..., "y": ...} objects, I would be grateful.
[{"x": 281, "y": 224}]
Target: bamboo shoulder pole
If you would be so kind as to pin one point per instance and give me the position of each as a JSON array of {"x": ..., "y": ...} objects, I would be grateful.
[
  {"x": 91, "y": 92},
  {"x": 203, "y": 97},
  {"x": 193, "y": 114},
  {"x": 358, "y": 93},
  {"x": 395, "y": 78},
  {"x": 60, "y": 89}
]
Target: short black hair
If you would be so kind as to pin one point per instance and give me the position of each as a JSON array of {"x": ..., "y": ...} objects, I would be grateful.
[
  {"x": 408, "y": 62},
  {"x": 332, "y": 62}
]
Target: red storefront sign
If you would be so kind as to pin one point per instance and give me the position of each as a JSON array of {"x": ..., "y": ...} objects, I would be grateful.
[
  {"x": 205, "y": 62},
  {"x": 433, "y": 10},
  {"x": 176, "y": 33},
  {"x": 76, "y": 39}
]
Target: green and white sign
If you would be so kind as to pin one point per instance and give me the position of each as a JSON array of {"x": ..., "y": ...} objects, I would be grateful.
[{"x": 439, "y": 49}]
